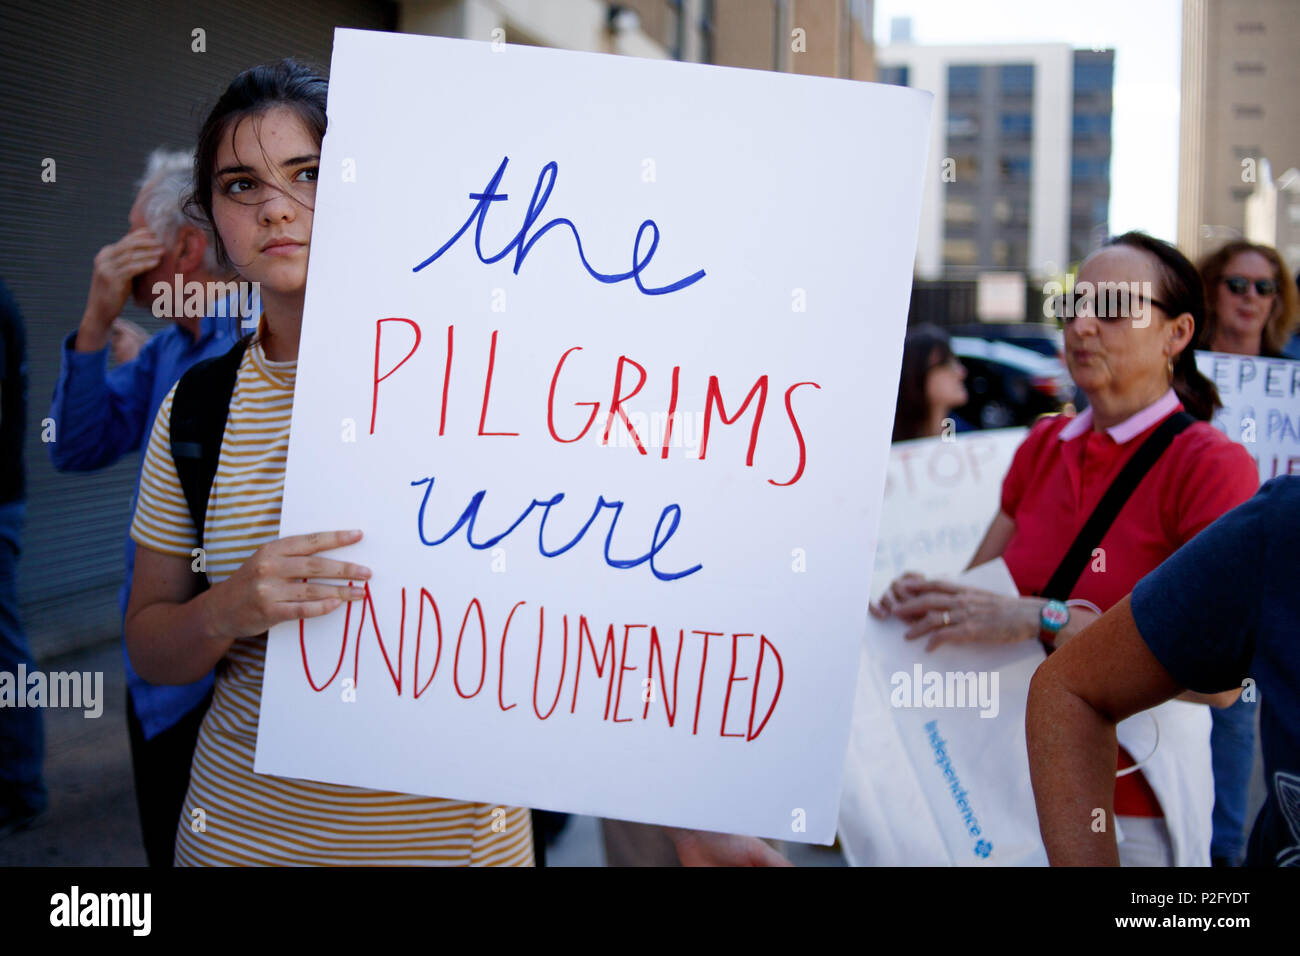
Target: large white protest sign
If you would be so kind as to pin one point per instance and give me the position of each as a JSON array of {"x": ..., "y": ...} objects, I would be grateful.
[
  {"x": 599, "y": 353},
  {"x": 1261, "y": 407},
  {"x": 941, "y": 495}
]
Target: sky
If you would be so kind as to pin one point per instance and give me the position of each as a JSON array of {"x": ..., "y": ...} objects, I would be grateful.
[{"x": 1146, "y": 36}]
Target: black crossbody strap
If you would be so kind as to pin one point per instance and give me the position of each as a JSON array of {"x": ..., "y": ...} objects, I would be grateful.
[
  {"x": 1112, "y": 502},
  {"x": 198, "y": 423}
]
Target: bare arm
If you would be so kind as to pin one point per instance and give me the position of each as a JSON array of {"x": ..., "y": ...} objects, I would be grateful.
[
  {"x": 1076, "y": 698},
  {"x": 168, "y": 630},
  {"x": 175, "y": 635},
  {"x": 995, "y": 540}
]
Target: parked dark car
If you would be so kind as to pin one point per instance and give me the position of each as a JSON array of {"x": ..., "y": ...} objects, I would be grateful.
[
  {"x": 1035, "y": 336},
  {"x": 1009, "y": 385}
]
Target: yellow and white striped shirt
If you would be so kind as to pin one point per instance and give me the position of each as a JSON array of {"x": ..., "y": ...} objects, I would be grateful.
[{"x": 257, "y": 819}]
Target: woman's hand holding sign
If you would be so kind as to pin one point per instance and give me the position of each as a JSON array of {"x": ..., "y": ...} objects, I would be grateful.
[
  {"x": 276, "y": 584},
  {"x": 175, "y": 634},
  {"x": 949, "y": 613}
]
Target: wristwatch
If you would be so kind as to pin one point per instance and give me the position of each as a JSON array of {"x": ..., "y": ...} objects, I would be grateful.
[{"x": 1054, "y": 616}]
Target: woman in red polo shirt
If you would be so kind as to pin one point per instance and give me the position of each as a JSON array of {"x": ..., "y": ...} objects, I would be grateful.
[{"x": 1130, "y": 352}]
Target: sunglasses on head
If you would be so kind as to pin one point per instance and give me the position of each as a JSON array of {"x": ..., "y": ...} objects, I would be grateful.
[
  {"x": 1108, "y": 305},
  {"x": 1238, "y": 285}
]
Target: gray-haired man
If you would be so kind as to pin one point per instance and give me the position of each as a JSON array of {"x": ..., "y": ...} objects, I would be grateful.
[{"x": 102, "y": 414}]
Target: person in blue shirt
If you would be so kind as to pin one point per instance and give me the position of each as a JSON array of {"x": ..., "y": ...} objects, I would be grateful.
[
  {"x": 101, "y": 414},
  {"x": 1218, "y": 615},
  {"x": 22, "y": 731}
]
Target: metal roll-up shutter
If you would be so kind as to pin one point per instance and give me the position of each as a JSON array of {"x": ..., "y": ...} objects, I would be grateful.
[{"x": 95, "y": 87}]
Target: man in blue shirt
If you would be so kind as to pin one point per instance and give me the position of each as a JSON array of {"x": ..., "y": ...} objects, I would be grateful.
[
  {"x": 101, "y": 415},
  {"x": 1220, "y": 614}
]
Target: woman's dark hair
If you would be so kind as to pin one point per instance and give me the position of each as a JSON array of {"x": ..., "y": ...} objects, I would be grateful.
[
  {"x": 1286, "y": 305},
  {"x": 1181, "y": 290},
  {"x": 287, "y": 83},
  {"x": 924, "y": 347}
]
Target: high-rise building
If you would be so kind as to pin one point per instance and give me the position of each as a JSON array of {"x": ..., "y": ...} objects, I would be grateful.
[
  {"x": 1020, "y": 145},
  {"x": 1240, "y": 78}
]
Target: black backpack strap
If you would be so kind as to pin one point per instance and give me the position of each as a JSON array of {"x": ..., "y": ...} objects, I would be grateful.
[
  {"x": 198, "y": 423},
  {"x": 1112, "y": 502}
]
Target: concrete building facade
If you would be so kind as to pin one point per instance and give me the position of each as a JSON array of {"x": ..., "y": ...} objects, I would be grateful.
[
  {"x": 1273, "y": 213},
  {"x": 1240, "y": 75},
  {"x": 817, "y": 37}
]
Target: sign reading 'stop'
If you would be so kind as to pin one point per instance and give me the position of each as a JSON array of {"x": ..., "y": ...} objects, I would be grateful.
[{"x": 601, "y": 354}]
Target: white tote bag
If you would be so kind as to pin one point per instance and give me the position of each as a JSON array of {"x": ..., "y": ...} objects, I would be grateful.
[{"x": 937, "y": 772}]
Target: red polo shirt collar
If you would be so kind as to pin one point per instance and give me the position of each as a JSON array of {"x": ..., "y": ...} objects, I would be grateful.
[{"x": 1131, "y": 427}]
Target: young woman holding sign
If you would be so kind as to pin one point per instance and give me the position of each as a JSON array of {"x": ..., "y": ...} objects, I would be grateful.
[{"x": 255, "y": 181}]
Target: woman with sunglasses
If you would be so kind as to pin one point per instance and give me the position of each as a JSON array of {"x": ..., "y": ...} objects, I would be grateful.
[
  {"x": 1251, "y": 304},
  {"x": 1251, "y": 309},
  {"x": 1128, "y": 336}
]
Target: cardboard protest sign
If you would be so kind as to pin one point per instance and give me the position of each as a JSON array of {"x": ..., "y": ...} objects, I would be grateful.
[
  {"x": 599, "y": 353},
  {"x": 940, "y": 498},
  {"x": 1261, "y": 407}
]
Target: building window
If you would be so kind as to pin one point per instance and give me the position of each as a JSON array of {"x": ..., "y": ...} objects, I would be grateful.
[
  {"x": 1241, "y": 193},
  {"x": 1241, "y": 111},
  {"x": 1244, "y": 152},
  {"x": 960, "y": 252},
  {"x": 967, "y": 168},
  {"x": 1016, "y": 79},
  {"x": 1250, "y": 26},
  {"x": 1248, "y": 69},
  {"x": 1093, "y": 77},
  {"x": 1015, "y": 169},
  {"x": 1017, "y": 125},
  {"x": 962, "y": 125},
  {"x": 1092, "y": 124},
  {"x": 960, "y": 211},
  {"x": 1090, "y": 168},
  {"x": 893, "y": 75},
  {"x": 1002, "y": 210},
  {"x": 963, "y": 80}
]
